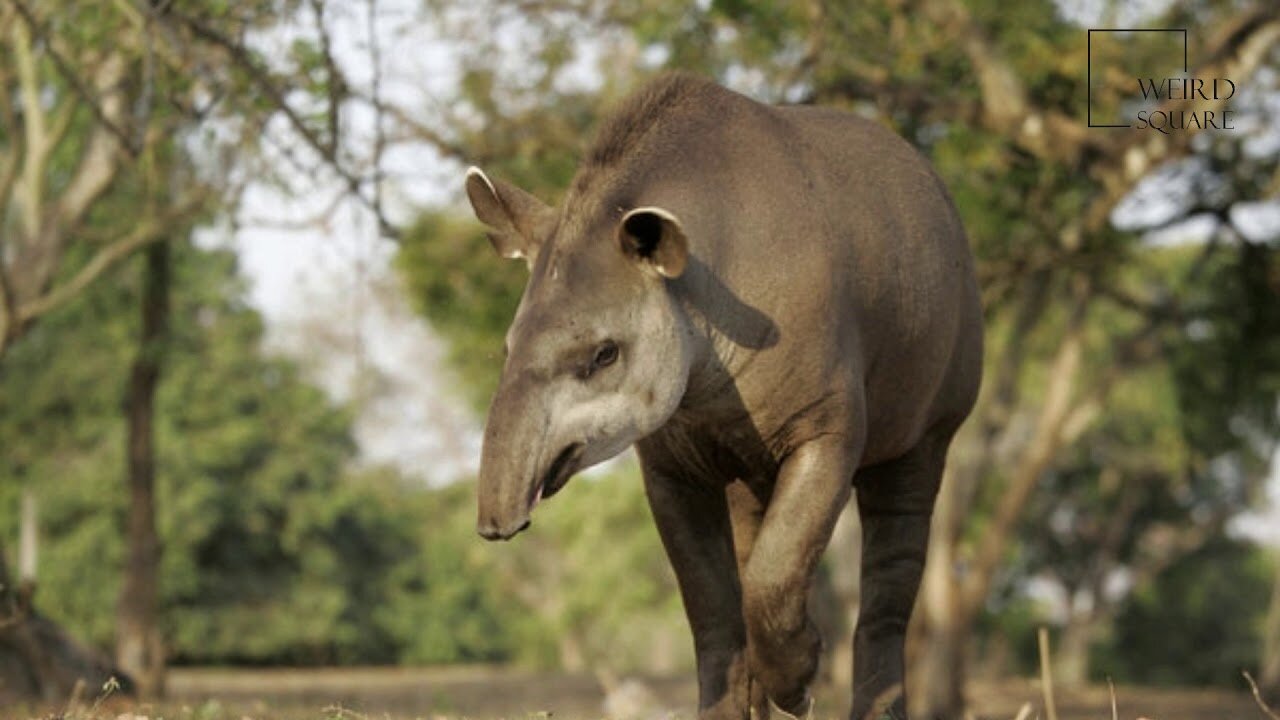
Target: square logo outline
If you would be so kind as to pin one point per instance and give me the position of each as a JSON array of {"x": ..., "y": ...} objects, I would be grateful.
[{"x": 1088, "y": 89}]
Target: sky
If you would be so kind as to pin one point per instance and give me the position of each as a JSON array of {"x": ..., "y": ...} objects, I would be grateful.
[{"x": 321, "y": 275}]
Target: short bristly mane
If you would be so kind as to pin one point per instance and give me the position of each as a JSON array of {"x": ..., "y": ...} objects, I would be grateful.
[{"x": 631, "y": 121}]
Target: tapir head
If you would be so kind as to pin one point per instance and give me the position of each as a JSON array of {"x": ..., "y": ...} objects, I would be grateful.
[{"x": 598, "y": 355}]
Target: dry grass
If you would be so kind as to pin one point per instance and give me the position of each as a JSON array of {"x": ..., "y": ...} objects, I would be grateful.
[{"x": 453, "y": 693}]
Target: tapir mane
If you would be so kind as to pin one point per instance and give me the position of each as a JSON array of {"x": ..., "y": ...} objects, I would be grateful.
[{"x": 627, "y": 126}]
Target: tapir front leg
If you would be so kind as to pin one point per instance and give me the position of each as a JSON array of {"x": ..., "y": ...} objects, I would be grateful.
[
  {"x": 693, "y": 520},
  {"x": 813, "y": 485}
]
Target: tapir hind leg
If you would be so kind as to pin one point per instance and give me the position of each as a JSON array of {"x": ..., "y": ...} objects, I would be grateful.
[
  {"x": 693, "y": 521},
  {"x": 895, "y": 502}
]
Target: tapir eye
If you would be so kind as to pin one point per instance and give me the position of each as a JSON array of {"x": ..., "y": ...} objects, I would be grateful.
[{"x": 606, "y": 355}]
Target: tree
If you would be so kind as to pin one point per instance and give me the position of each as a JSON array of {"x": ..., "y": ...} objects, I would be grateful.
[
  {"x": 1269, "y": 674},
  {"x": 100, "y": 112},
  {"x": 139, "y": 645},
  {"x": 276, "y": 549},
  {"x": 92, "y": 133},
  {"x": 78, "y": 140},
  {"x": 1216, "y": 597},
  {"x": 1173, "y": 459}
]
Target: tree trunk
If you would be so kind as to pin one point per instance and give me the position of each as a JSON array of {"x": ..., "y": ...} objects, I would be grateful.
[
  {"x": 938, "y": 682},
  {"x": 956, "y": 583},
  {"x": 139, "y": 646},
  {"x": 1071, "y": 658},
  {"x": 833, "y": 603},
  {"x": 937, "y": 639},
  {"x": 573, "y": 659},
  {"x": 1269, "y": 673}
]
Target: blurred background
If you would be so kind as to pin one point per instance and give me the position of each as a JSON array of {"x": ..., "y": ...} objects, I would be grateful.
[{"x": 248, "y": 329}]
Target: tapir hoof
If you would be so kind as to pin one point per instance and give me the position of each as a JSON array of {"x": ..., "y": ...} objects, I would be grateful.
[{"x": 804, "y": 710}]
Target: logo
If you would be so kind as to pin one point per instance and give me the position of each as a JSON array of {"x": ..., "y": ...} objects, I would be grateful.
[{"x": 1147, "y": 93}]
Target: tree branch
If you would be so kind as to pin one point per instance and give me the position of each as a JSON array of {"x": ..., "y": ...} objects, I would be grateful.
[
  {"x": 9, "y": 156},
  {"x": 262, "y": 78},
  {"x": 147, "y": 231},
  {"x": 1113, "y": 534},
  {"x": 1118, "y": 164},
  {"x": 36, "y": 150},
  {"x": 77, "y": 84},
  {"x": 1040, "y": 451},
  {"x": 99, "y": 162},
  {"x": 336, "y": 81},
  {"x": 379, "y": 132},
  {"x": 416, "y": 129},
  {"x": 1044, "y": 132},
  {"x": 8, "y": 311}
]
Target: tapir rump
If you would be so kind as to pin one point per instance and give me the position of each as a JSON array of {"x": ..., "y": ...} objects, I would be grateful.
[{"x": 777, "y": 307}]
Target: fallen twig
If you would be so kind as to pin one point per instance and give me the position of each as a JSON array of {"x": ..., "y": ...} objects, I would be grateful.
[
  {"x": 1257, "y": 696},
  {"x": 1046, "y": 675},
  {"x": 1115, "y": 712}
]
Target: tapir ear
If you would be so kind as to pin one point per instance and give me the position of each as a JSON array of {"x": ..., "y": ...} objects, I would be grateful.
[
  {"x": 517, "y": 220},
  {"x": 655, "y": 236}
]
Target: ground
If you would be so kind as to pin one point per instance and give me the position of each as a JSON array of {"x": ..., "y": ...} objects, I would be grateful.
[{"x": 483, "y": 692}]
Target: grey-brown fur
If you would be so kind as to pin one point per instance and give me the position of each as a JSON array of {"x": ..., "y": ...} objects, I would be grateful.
[
  {"x": 777, "y": 307},
  {"x": 640, "y": 113}
]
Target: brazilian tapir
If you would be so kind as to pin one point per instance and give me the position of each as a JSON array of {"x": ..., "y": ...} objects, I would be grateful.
[{"x": 777, "y": 307}]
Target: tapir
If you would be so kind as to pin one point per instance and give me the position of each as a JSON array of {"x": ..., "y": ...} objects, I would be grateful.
[{"x": 776, "y": 305}]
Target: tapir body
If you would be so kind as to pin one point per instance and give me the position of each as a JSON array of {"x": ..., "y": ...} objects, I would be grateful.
[{"x": 777, "y": 307}]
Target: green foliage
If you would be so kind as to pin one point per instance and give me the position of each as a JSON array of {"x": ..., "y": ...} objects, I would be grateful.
[
  {"x": 1228, "y": 366},
  {"x": 446, "y": 607},
  {"x": 456, "y": 280},
  {"x": 586, "y": 586},
  {"x": 274, "y": 549},
  {"x": 592, "y": 580},
  {"x": 1197, "y": 624}
]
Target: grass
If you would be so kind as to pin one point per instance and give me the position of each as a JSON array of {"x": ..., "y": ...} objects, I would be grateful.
[{"x": 309, "y": 695}]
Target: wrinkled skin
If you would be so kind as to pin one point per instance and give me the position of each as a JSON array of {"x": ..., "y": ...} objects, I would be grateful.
[{"x": 777, "y": 307}]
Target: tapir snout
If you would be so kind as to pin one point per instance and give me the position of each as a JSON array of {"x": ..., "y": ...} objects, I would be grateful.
[
  {"x": 506, "y": 486},
  {"x": 522, "y": 462}
]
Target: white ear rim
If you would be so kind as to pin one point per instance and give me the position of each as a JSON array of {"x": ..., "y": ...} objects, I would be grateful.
[
  {"x": 474, "y": 171},
  {"x": 513, "y": 254},
  {"x": 664, "y": 214}
]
